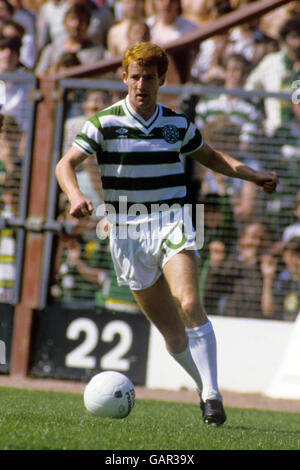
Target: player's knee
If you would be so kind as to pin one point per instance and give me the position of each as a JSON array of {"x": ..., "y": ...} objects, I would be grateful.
[
  {"x": 190, "y": 306},
  {"x": 176, "y": 342},
  {"x": 193, "y": 312}
]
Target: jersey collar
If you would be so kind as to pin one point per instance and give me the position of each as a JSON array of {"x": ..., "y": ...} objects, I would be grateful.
[{"x": 145, "y": 126}]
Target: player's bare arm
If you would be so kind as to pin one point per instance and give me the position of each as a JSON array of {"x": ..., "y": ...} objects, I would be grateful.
[
  {"x": 229, "y": 166},
  {"x": 65, "y": 172}
]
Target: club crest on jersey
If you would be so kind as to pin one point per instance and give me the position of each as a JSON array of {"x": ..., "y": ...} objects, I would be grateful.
[{"x": 170, "y": 134}]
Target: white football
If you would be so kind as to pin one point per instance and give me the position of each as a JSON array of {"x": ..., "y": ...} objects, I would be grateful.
[{"x": 109, "y": 394}]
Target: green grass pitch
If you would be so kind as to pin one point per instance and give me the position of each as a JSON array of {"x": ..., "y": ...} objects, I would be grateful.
[{"x": 37, "y": 420}]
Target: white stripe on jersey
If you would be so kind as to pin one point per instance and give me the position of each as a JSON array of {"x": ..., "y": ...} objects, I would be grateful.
[{"x": 139, "y": 171}]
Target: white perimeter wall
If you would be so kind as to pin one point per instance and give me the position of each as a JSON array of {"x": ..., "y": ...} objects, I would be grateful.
[{"x": 253, "y": 356}]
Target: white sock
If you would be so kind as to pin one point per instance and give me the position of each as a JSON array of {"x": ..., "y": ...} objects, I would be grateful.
[
  {"x": 186, "y": 361},
  {"x": 203, "y": 347}
]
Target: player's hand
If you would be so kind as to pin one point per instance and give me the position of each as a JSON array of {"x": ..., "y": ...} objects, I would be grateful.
[
  {"x": 81, "y": 207},
  {"x": 268, "y": 181}
]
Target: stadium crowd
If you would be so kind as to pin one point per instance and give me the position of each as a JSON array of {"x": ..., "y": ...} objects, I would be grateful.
[{"x": 250, "y": 263}]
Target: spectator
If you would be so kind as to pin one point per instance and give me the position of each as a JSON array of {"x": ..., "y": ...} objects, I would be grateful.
[
  {"x": 50, "y": 21},
  {"x": 138, "y": 31},
  {"x": 213, "y": 281},
  {"x": 248, "y": 203},
  {"x": 293, "y": 230},
  {"x": 17, "y": 93},
  {"x": 196, "y": 11},
  {"x": 259, "y": 233},
  {"x": 272, "y": 22},
  {"x": 88, "y": 178},
  {"x": 211, "y": 51},
  {"x": 276, "y": 72},
  {"x": 233, "y": 123},
  {"x": 10, "y": 161},
  {"x": 28, "y": 52},
  {"x": 66, "y": 61},
  {"x": 77, "y": 20},
  {"x": 101, "y": 21},
  {"x": 167, "y": 24},
  {"x": 289, "y": 136},
  {"x": 281, "y": 292},
  {"x": 73, "y": 98},
  {"x": 6, "y": 12},
  {"x": 284, "y": 147},
  {"x": 244, "y": 275},
  {"x": 25, "y": 17},
  {"x": 75, "y": 281},
  {"x": 94, "y": 101},
  {"x": 248, "y": 39},
  {"x": 116, "y": 7},
  {"x": 218, "y": 223},
  {"x": 286, "y": 144},
  {"x": 117, "y": 38},
  {"x": 218, "y": 8},
  {"x": 240, "y": 112}
]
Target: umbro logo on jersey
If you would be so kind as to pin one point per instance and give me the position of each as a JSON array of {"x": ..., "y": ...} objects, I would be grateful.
[{"x": 122, "y": 132}]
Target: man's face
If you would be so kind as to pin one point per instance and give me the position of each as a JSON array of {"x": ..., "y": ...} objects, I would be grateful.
[
  {"x": 234, "y": 74},
  {"x": 133, "y": 9},
  {"x": 292, "y": 261},
  {"x": 5, "y": 14},
  {"x": 143, "y": 84},
  {"x": 8, "y": 60},
  {"x": 76, "y": 27},
  {"x": 138, "y": 32},
  {"x": 94, "y": 103},
  {"x": 167, "y": 9},
  {"x": 292, "y": 41}
]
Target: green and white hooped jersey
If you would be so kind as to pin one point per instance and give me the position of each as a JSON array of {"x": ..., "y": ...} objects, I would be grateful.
[{"x": 140, "y": 159}]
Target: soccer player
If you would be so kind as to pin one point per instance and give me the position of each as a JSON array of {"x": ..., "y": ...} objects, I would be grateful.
[{"x": 137, "y": 142}]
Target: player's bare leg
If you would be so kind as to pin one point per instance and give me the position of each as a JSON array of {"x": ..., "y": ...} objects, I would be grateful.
[
  {"x": 174, "y": 306},
  {"x": 160, "y": 308},
  {"x": 181, "y": 273}
]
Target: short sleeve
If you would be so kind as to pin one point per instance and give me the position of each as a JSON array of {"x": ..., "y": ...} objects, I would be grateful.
[
  {"x": 90, "y": 139},
  {"x": 192, "y": 141}
]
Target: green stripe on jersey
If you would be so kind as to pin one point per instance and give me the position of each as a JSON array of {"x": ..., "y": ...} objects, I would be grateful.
[
  {"x": 138, "y": 158},
  {"x": 160, "y": 182}
]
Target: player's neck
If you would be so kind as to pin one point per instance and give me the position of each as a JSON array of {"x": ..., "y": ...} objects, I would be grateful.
[{"x": 144, "y": 112}]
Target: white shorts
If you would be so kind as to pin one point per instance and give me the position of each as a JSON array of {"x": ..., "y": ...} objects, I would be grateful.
[{"x": 140, "y": 256}]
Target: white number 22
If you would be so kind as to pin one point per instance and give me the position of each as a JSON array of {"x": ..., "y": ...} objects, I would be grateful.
[{"x": 114, "y": 359}]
